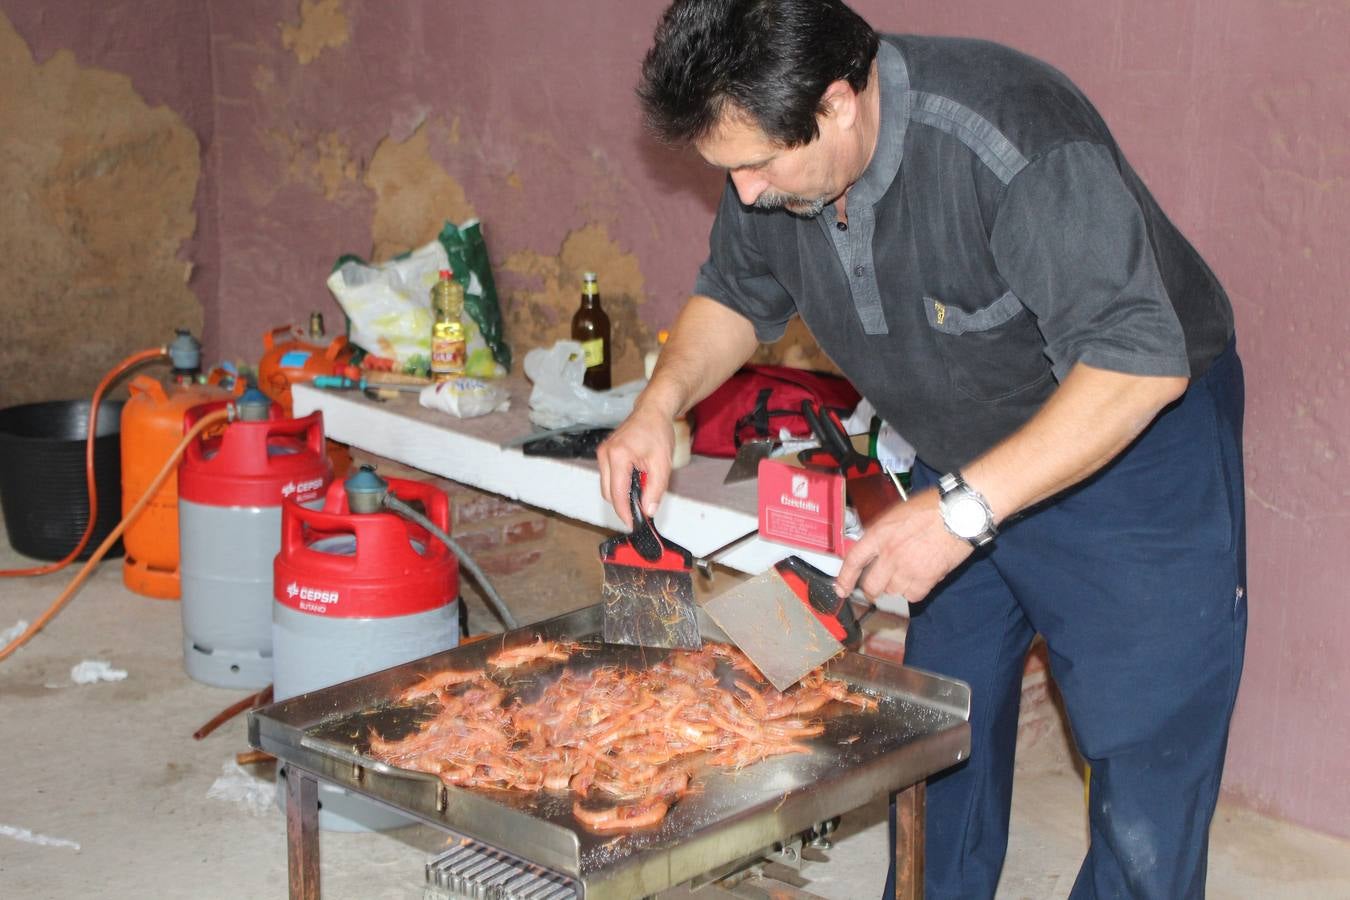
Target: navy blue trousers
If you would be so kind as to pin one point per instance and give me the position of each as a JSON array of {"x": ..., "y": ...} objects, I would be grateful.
[{"x": 1136, "y": 579}]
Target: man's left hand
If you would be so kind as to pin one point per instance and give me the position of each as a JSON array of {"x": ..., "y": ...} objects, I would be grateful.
[{"x": 906, "y": 551}]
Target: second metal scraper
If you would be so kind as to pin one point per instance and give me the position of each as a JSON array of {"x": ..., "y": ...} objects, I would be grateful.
[{"x": 774, "y": 627}]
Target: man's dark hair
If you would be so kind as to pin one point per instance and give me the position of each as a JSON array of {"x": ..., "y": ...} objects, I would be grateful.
[{"x": 771, "y": 59}]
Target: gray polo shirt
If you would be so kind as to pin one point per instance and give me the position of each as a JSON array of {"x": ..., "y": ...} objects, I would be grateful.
[{"x": 997, "y": 238}]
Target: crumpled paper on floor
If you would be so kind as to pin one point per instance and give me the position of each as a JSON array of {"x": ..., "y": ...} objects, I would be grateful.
[
  {"x": 29, "y": 837},
  {"x": 92, "y": 671},
  {"x": 13, "y": 631},
  {"x": 236, "y": 785}
]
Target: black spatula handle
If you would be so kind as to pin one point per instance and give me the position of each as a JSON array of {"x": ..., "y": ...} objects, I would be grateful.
[
  {"x": 644, "y": 538},
  {"x": 820, "y": 596}
]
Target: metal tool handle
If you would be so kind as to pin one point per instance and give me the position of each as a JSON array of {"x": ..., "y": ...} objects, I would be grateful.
[
  {"x": 834, "y": 441},
  {"x": 644, "y": 537},
  {"x": 821, "y": 597}
]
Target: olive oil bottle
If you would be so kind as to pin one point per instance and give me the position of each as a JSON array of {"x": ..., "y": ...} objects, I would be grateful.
[{"x": 447, "y": 329}]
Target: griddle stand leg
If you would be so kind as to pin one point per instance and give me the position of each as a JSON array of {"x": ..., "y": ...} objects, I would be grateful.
[
  {"x": 909, "y": 842},
  {"x": 302, "y": 833}
]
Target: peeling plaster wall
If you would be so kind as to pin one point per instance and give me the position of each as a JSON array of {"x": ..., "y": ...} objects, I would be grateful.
[
  {"x": 99, "y": 172},
  {"x": 351, "y": 128}
]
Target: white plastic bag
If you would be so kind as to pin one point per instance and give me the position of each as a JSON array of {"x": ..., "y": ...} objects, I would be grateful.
[
  {"x": 465, "y": 397},
  {"x": 389, "y": 306},
  {"x": 893, "y": 451},
  {"x": 560, "y": 399}
]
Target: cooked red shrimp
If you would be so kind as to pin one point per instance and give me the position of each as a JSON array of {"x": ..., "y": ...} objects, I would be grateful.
[
  {"x": 512, "y": 657},
  {"x": 615, "y": 819},
  {"x": 438, "y": 682},
  {"x": 630, "y": 735}
]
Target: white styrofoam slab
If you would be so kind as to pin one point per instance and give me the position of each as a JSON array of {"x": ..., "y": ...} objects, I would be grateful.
[{"x": 698, "y": 511}]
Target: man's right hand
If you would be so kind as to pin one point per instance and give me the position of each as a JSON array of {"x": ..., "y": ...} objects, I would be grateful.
[
  {"x": 707, "y": 343},
  {"x": 644, "y": 441}
]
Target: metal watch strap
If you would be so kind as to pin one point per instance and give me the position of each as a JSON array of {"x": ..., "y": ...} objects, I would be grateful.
[{"x": 953, "y": 483}]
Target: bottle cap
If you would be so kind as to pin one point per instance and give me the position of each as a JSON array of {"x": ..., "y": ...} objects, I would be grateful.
[
  {"x": 588, "y": 276},
  {"x": 662, "y": 336},
  {"x": 446, "y": 274}
]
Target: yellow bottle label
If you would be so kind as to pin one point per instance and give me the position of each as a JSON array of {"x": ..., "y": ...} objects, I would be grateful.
[
  {"x": 447, "y": 350},
  {"x": 593, "y": 351}
]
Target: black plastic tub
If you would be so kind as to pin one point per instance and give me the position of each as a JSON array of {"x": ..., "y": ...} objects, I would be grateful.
[{"x": 43, "y": 489}]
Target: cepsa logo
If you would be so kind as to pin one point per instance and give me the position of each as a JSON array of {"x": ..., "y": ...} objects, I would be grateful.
[
  {"x": 311, "y": 599},
  {"x": 301, "y": 489}
]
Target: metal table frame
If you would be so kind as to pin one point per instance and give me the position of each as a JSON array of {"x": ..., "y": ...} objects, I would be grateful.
[{"x": 302, "y": 837}]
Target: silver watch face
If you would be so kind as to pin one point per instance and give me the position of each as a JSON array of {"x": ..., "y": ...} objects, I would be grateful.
[{"x": 965, "y": 516}]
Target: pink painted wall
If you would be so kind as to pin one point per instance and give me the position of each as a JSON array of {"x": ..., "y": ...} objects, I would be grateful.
[
  {"x": 1232, "y": 110},
  {"x": 546, "y": 141}
]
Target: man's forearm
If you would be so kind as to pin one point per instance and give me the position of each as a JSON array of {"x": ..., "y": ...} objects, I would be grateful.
[
  {"x": 1091, "y": 417},
  {"x": 707, "y": 344}
]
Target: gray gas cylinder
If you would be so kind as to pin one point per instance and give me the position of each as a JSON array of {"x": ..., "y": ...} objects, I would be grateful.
[
  {"x": 311, "y": 652},
  {"x": 342, "y": 611},
  {"x": 231, "y": 487},
  {"x": 226, "y": 576}
]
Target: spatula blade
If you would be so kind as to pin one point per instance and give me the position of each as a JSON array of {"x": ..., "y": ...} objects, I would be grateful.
[
  {"x": 772, "y": 626},
  {"x": 746, "y": 464},
  {"x": 649, "y": 608}
]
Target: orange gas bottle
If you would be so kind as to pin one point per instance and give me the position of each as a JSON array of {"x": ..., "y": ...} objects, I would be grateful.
[
  {"x": 297, "y": 361},
  {"x": 152, "y": 425},
  {"x": 285, "y": 363}
]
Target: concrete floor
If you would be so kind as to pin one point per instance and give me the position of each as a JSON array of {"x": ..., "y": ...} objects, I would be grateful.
[{"x": 113, "y": 768}]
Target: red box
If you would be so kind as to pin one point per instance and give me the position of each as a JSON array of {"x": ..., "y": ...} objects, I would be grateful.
[{"x": 801, "y": 507}]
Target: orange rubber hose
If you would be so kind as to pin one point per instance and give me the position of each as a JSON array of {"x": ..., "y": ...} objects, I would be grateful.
[
  {"x": 50, "y": 612},
  {"x": 116, "y": 372}
]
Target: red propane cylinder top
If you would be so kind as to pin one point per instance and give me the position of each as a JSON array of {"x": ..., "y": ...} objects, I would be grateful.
[
  {"x": 255, "y": 463},
  {"x": 340, "y": 564}
]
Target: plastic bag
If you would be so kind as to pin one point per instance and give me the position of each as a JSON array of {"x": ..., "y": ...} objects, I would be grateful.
[
  {"x": 465, "y": 397},
  {"x": 893, "y": 451},
  {"x": 559, "y": 398},
  {"x": 388, "y": 305},
  {"x": 469, "y": 259}
]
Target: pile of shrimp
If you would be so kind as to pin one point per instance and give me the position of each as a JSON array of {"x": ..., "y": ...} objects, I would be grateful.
[{"x": 624, "y": 742}]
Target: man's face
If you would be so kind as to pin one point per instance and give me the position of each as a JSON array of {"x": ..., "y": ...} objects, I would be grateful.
[{"x": 802, "y": 180}]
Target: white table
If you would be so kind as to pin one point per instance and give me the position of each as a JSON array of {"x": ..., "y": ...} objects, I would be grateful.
[{"x": 698, "y": 511}]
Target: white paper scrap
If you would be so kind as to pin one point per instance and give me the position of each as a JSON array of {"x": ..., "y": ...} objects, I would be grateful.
[
  {"x": 92, "y": 671},
  {"x": 28, "y": 837},
  {"x": 13, "y": 631},
  {"x": 237, "y": 786}
]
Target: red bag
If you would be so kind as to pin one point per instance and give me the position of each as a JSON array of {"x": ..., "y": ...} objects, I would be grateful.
[{"x": 758, "y": 401}]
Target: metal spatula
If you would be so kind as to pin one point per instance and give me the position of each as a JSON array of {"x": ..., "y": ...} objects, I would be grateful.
[
  {"x": 787, "y": 620},
  {"x": 648, "y": 590},
  {"x": 746, "y": 464}
]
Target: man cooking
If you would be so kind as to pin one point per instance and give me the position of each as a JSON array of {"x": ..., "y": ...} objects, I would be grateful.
[{"x": 960, "y": 232}]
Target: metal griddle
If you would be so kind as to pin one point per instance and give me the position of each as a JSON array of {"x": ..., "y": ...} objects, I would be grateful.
[{"x": 919, "y": 728}]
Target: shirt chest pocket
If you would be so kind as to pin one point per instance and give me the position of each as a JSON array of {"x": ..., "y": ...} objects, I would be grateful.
[{"x": 991, "y": 352}]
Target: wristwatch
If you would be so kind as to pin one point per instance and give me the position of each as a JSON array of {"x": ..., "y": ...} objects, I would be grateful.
[{"x": 964, "y": 510}]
